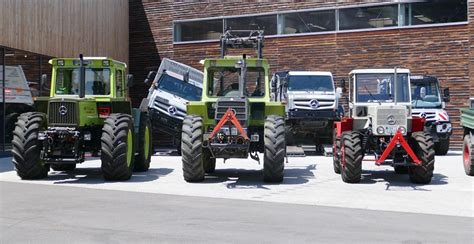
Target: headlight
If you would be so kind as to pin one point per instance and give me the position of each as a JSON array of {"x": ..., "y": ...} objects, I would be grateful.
[
  {"x": 380, "y": 130},
  {"x": 402, "y": 129}
]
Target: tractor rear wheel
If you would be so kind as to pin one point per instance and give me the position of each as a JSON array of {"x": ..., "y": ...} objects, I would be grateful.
[
  {"x": 63, "y": 167},
  {"x": 117, "y": 147},
  {"x": 26, "y": 147},
  {"x": 275, "y": 149},
  {"x": 423, "y": 146},
  {"x": 145, "y": 148},
  {"x": 208, "y": 162},
  {"x": 191, "y": 149},
  {"x": 442, "y": 147},
  {"x": 468, "y": 155},
  {"x": 336, "y": 150},
  {"x": 351, "y": 157}
]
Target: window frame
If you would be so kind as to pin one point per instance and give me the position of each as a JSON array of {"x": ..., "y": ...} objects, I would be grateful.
[{"x": 401, "y": 21}]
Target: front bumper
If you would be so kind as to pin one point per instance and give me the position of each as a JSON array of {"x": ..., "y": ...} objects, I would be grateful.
[
  {"x": 439, "y": 131},
  {"x": 313, "y": 114},
  {"x": 62, "y": 145},
  {"x": 165, "y": 123}
]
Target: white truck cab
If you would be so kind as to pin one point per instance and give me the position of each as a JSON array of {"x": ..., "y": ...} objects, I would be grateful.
[
  {"x": 428, "y": 103},
  {"x": 174, "y": 84},
  {"x": 312, "y": 103}
]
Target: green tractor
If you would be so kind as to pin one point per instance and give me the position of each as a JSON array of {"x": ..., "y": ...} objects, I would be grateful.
[
  {"x": 87, "y": 111},
  {"x": 235, "y": 117},
  {"x": 467, "y": 123}
]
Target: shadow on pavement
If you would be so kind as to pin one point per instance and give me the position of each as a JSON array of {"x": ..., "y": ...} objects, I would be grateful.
[
  {"x": 253, "y": 179},
  {"x": 94, "y": 176},
  {"x": 399, "y": 181}
]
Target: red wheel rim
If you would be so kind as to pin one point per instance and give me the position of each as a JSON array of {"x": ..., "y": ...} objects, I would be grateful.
[{"x": 466, "y": 156}]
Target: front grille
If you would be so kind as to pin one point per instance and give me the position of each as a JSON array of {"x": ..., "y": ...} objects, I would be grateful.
[
  {"x": 63, "y": 113},
  {"x": 239, "y": 106},
  {"x": 399, "y": 115},
  {"x": 164, "y": 106},
  {"x": 306, "y": 104},
  {"x": 429, "y": 116}
]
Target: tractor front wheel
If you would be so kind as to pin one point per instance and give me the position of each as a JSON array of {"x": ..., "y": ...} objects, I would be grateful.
[
  {"x": 208, "y": 162},
  {"x": 351, "y": 157},
  {"x": 26, "y": 147},
  {"x": 336, "y": 150},
  {"x": 145, "y": 148},
  {"x": 191, "y": 149},
  {"x": 442, "y": 147},
  {"x": 423, "y": 146},
  {"x": 117, "y": 147},
  {"x": 275, "y": 149},
  {"x": 468, "y": 155}
]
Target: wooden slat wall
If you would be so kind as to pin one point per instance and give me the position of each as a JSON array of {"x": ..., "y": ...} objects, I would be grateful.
[{"x": 66, "y": 27}]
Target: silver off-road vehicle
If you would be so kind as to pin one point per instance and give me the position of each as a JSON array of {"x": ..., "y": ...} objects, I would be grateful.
[{"x": 172, "y": 87}]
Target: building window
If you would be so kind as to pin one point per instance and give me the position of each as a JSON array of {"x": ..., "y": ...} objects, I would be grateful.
[
  {"x": 268, "y": 23},
  {"x": 305, "y": 22},
  {"x": 435, "y": 12},
  {"x": 198, "y": 30},
  {"x": 368, "y": 17}
]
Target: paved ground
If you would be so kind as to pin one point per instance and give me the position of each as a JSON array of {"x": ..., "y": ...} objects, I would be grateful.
[{"x": 302, "y": 208}]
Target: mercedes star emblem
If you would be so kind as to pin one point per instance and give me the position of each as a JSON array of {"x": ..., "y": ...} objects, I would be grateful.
[
  {"x": 423, "y": 115},
  {"x": 391, "y": 120},
  {"x": 172, "y": 110},
  {"x": 62, "y": 110},
  {"x": 314, "y": 103}
]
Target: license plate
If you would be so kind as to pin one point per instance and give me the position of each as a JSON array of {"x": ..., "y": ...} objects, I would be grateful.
[{"x": 443, "y": 128}]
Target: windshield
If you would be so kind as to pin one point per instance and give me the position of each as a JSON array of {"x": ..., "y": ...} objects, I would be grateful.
[
  {"x": 97, "y": 81},
  {"x": 310, "y": 83},
  {"x": 380, "y": 88},
  {"x": 179, "y": 88},
  {"x": 425, "y": 94},
  {"x": 224, "y": 81}
]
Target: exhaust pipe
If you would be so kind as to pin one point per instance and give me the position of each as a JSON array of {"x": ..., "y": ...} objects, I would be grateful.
[{"x": 82, "y": 77}]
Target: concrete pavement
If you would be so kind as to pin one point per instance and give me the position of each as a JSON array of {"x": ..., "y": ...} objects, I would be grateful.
[{"x": 309, "y": 180}]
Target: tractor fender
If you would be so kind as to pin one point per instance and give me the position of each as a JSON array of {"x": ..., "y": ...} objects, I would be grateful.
[
  {"x": 344, "y": 125},
  {"x": 144, "y": 105},
  {"x": 417, "y": 124}
]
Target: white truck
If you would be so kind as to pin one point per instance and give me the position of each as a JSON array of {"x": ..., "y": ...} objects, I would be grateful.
[
  {"x": 18, "y": 97},
  {"x": 428, "y": 103},
  {"x": 173, "y": 85},
  {"x": 312, "y": 106}
]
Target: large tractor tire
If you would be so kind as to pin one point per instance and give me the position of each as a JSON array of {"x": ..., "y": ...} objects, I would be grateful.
[
  {"x": 468, "y": 155},
  {"x": 442, "y": 147},
  {"x": 423, "y": 146},
  {"x": 351, "y": 157},
  {"x": 208, "y": 162},
  {"x": 145, "y": 145},
  {"x": 26, "y": 147},
  {"x": 10, "y": 124},
  {"x": 191, "y": 149},
  {"x": 117, "y": 147},
  {"x": 275, "y": 149},
  {"x": 336, "y": 150},
  {"x": 63, "y": 167}
]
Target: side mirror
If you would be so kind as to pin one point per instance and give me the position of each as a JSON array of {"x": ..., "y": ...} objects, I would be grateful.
[
  {"x": 44, "y": 81},
  {"x": 338, "y": 92},
  {"x": 342, "y": 84},
  {"x": 186, "y": 77},
  {"x": 446, "y": 96},
  {"x": 150, "y": 77},
  {"x": 129, "y": 80},
  {"x": 422, "y": 92}
]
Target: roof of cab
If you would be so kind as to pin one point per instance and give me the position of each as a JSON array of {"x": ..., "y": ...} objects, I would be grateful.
[
  {"x": 378, "y": 71},
  {"x": 321, "y": 73},
  {"x": 90, "y": 58}
]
